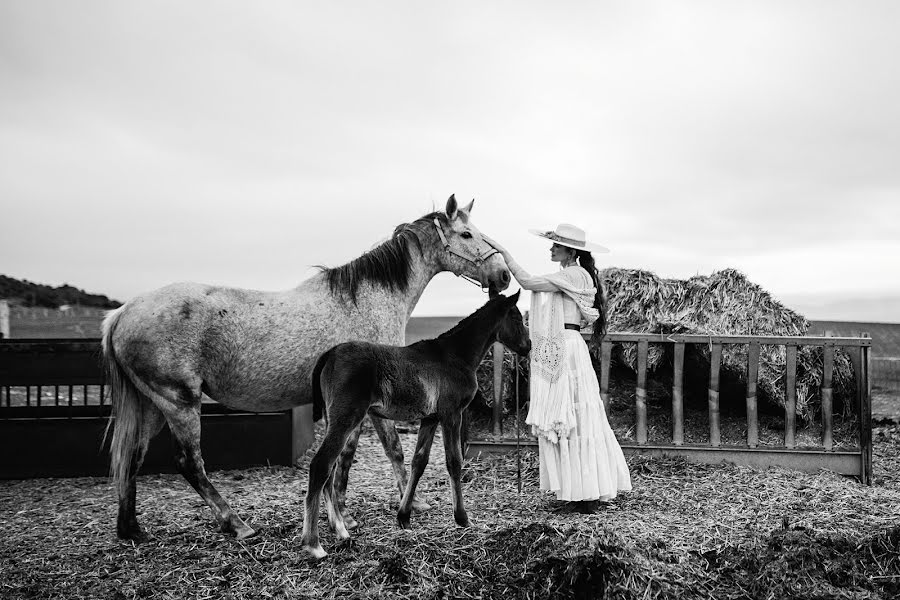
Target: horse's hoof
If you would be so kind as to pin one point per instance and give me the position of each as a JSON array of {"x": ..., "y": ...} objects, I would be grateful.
[
  {"x": 462, "y": 520},
  {"x": 316, "y": 552},
  {"x": 131, "y": 532},
  {"x": 239, "y": 529},
  {"x": 420, "y": 506},
  {"x": 403, "y": 520},
  {"x": 138, "y": 537},
  {"x": 350, "y": 523}
]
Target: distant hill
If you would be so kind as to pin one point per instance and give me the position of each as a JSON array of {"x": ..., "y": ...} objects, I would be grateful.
[{"x": 26, "y": 293}]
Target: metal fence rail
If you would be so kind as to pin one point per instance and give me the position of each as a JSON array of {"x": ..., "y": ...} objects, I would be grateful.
[{"x": 855, "y": 461}]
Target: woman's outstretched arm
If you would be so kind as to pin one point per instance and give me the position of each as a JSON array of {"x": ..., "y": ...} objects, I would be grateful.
[{"x": 532, "y": 283}]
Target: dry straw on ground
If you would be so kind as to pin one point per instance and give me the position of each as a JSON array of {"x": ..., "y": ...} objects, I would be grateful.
[{"x": 688, "y": 531}]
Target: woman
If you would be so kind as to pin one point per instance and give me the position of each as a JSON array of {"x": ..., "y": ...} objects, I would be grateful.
[{"x": 580, "y": 459}]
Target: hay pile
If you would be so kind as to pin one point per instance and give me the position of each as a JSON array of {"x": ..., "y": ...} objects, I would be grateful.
[{"x": 724, "y": 303}]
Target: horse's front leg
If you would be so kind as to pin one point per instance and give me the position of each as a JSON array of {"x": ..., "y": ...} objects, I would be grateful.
[
  {"x": 390, "y": 441},
  {"x": 419, "y": 461},
  {"x": 453, "y": 455}
]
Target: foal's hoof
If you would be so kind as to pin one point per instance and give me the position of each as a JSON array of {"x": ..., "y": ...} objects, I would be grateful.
[
  {"x": 403, "y": 520},
  {"x": 245, "y": 532},
  {"x": 134, "y": 534},
  {"x": 462, "y": 519},
  {"x": 420, "y": 505},
  {"x": 350, "y": 523}
]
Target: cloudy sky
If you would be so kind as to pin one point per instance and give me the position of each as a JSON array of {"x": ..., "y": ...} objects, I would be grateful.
[{"x": 239, "y": 143}]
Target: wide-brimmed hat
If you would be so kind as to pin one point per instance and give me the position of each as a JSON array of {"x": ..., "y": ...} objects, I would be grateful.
[{"x": 571, "y": 237}]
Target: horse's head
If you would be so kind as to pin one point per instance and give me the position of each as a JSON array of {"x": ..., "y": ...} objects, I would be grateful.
[
  {"x": 512, "y": 333},
  {"x": 465, "y": 252}
]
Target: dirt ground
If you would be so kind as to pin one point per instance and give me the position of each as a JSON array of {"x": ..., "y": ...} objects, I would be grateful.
[{"x": 688, "y": 531}]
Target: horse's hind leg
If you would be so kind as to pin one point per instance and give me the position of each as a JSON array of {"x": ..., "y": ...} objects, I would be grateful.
[
  {"x": 152, "y": 422},
  {"x": 419, "y": 462},
  {"x": 184, "y": 422},
  {"x": 321, "y": 475},
  {"x": 341, "y": 474},
  {"x": 390, "y": 441}
]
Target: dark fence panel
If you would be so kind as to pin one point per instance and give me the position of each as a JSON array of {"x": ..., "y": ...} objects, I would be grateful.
[
  {"x": 62, "y": 438},
  {"x": 59, "y": 447},
  {"x": 50, "y": 362}
]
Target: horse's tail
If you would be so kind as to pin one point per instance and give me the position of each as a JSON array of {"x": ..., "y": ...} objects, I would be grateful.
[
  {"x": 126, "y": 403},
  {"x": 319, "y": 408}
]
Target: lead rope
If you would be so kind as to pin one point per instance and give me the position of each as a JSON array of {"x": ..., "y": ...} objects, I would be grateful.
[{"x": 518, "y": 451}]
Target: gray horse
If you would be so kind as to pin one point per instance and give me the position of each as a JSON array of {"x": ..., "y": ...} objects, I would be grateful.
[{"x": 167, "y": 350}]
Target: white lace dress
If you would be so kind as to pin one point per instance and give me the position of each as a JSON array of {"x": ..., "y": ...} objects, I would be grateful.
[{"x": 580, "y": 458}]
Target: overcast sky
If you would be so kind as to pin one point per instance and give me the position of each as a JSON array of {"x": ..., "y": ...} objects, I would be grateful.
[{"x": 241, "y": 143}]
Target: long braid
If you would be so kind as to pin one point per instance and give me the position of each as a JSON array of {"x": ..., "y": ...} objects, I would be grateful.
[{"x": 586, "y": 260}]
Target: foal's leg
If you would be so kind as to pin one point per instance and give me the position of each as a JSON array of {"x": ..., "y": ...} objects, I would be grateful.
[
  {"x": 390, "y": 441},
  {"x": 341, "y": 474},
  {"x": 453, "y": 456},
  {"x": 152, "y": 422},
  {"x": 321, "y": 475},
  {"x": 335, "y": 518},
  {"x": 419, "y": 461},
  {"x": 184, "y": 422}
]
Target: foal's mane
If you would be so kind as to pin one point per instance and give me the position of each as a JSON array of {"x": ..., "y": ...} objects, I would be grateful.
[
  {"x": 389, "y": 264},
  {"x": 483, "y": 313}
]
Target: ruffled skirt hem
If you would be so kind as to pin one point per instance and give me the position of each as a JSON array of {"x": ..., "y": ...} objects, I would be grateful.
[{"x": 588, "y": 463}]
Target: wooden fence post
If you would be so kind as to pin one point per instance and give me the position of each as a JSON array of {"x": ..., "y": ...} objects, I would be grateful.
[
  {"x": 678, "y": 394},
  {"x": 498, "y": 388},
  {"x": 640, "y": 394},
  {"x": 865, "y": 412},
  {"x": 790, "y": 395},
  {"x": 826, "y": 394},
  {"x": 715, "y": 365},
  {"x": 752, "y": 408},
  {"x": 4, "y": 320}
]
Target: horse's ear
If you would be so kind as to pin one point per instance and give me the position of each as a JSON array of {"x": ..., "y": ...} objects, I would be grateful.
[
  {"x": 514, "y": 298},
  {"x": 451, "y": 207},
  {"x": 468, "y": 208}
]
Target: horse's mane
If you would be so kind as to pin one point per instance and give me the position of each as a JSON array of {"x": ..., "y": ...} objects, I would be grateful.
[{"x": 388, "y": 264}]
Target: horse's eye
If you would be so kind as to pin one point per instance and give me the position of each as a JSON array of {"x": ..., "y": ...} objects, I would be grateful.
[{"x": 466, "y": 235}]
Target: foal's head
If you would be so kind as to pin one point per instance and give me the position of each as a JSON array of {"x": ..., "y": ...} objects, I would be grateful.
[{"x": 512, "y": 333}]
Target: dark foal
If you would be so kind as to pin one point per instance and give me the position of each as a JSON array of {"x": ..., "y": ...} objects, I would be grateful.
[{"x": 432, "y": 381}]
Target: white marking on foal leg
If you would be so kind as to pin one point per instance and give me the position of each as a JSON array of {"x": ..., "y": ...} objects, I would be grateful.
[{"x": 335, "y": 519}]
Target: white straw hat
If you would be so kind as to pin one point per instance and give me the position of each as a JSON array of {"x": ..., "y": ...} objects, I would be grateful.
[{"x": 571, "y": 237}]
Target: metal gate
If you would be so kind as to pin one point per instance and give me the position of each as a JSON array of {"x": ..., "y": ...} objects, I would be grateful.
[{"x": 856, "y": 461}]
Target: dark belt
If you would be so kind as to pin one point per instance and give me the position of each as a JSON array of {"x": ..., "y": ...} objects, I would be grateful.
[{"x": 573, "y": 326}]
